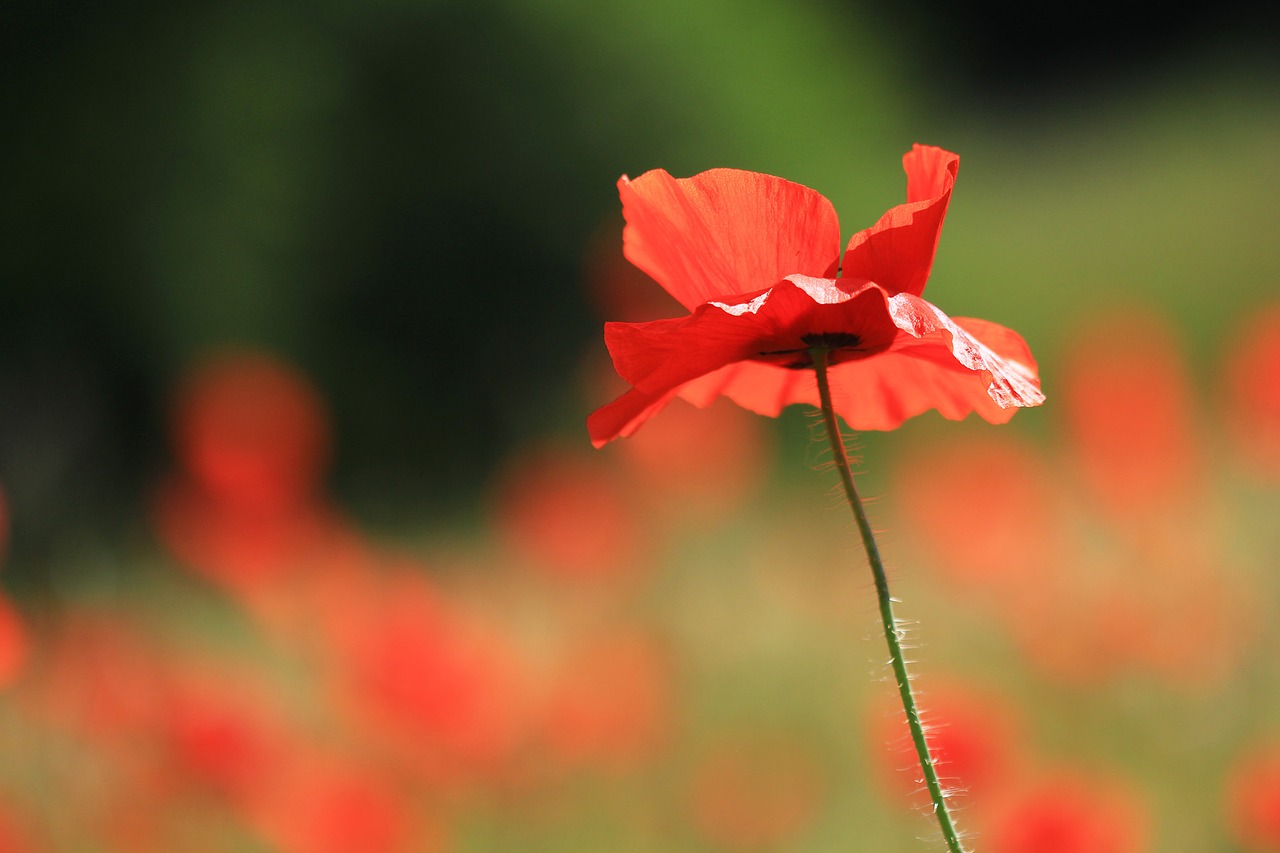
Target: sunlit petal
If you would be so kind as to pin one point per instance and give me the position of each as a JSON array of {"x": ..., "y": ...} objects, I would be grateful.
[
  {"x": 897, "y": 252},
  {"x": 725, "y": 232}
]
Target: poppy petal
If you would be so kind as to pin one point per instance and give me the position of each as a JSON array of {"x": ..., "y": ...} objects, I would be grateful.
[
  {"x": 897, "y": 252},
  {"x": 931, "y": 172},
  {"x": 878, "y": 393},
  {"x": 725, "y": 232},
  {"x": 624, "y": 415},
  {"x": 1001, "y": 357},
  {"x": 956, "y": 367}
]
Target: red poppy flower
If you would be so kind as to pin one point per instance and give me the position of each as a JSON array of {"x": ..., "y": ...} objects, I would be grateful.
[{"x": 756, "y": 259}]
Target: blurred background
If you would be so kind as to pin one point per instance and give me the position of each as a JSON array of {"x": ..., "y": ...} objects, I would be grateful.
[{"x": 305, "y": 547}]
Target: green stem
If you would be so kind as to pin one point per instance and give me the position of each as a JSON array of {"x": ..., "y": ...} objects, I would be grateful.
[{"x": 891, "y": 635}]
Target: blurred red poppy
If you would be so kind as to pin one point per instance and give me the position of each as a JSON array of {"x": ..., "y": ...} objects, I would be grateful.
[
  {"x": 13, "y": 643},
  {"x": 1068, "y": 811},
  {"x": 325, "y": 805},
  {"x": 243, "y": 552},
  {"x": 1252, "y": 383},
  {"x": 975, "y": 739},
  {"x": 1253, "y": 799},
  {"x": 1133, "y": 430},
  {"x": 13, "y": 634},
  {"x": 440, "y": 691},
  {"x": 756, "y": 259},
  {"x": 221, "y": 734},
  {"x": 567, "y": 516},
  {"x": 245, "y": 508}
]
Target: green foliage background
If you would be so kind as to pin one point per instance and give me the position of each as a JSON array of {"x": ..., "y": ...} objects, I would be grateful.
[{"x": 398, "y": 196}]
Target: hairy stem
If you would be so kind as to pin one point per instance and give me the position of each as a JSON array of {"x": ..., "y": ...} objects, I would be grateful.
[{"x": 891, "y": 634}]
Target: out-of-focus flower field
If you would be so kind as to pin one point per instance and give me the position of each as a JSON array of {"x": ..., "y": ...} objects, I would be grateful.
[{"x": 669, "y": 644}]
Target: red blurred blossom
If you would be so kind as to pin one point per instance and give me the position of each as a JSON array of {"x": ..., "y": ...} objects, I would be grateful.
[
  {"x": 987, "y": 510},
  {"x": 1068, "y": 812},
  {"x": 269, "y": 563},
  {"x": 757, "y": 261},
  {"x": 222, "y": 735},
  {"x": 245, "y": 509},
  {"x": 329, "y": 806},
  {"x": 1252, "y": 384},
  {"x": 440, "y": 690},
  {"x": 1253, "y": 799},
  {"x": 236, "y": 549},
  {"x": 13, "y": 633},
  {"x": 610, "y": 703},
  {"x": 14, "y": 643},
  {"x": 1132, "y": 429},
  {"x": 757, "y": 790},
  {"x": 976, "y": 741},
  {"x": 567, "y": 516},
  {"x": 251, "y": 430}
]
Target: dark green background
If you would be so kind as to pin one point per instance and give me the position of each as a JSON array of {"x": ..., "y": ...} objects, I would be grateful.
[{"x": 397, "y": 196}]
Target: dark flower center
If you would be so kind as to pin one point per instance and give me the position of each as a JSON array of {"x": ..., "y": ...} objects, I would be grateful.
[{"x": 830, "y": 341}]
